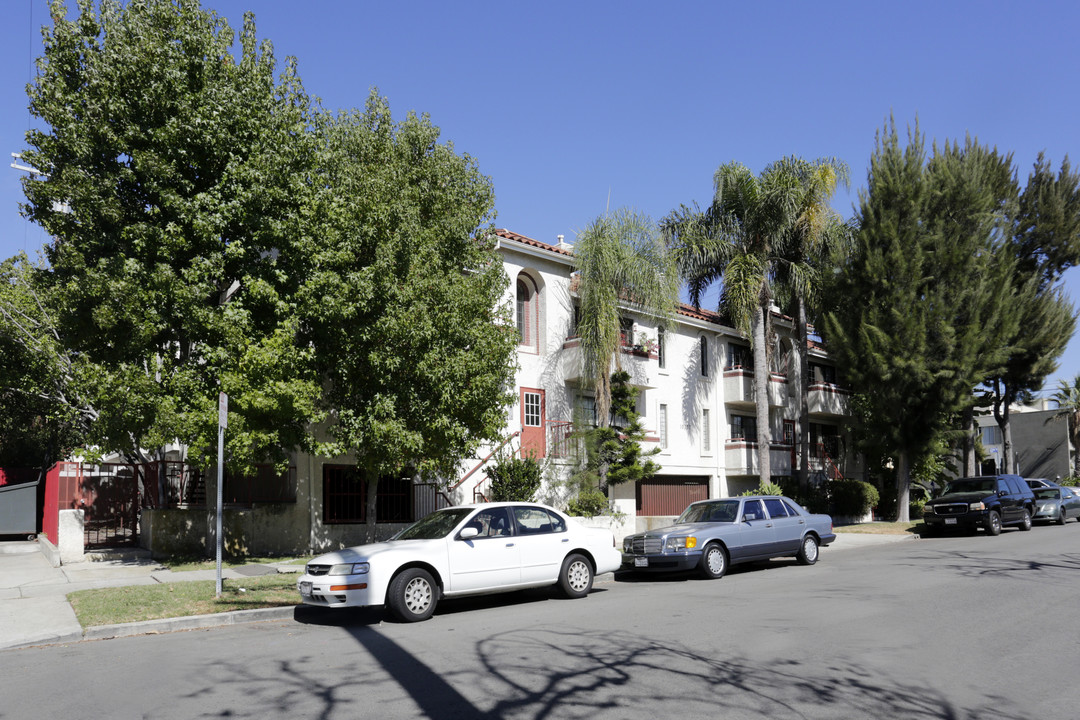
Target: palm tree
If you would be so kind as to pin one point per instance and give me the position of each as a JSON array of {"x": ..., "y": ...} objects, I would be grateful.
[
  {"x": 1068, "y": 400},
  {"x": 816, "y": 236},
  {"x": 739, "y": 241},
  {"x": 621, "y": 264}
]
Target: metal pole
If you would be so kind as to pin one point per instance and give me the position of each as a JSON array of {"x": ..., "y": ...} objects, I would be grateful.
[{"x": 223, "y": 414}]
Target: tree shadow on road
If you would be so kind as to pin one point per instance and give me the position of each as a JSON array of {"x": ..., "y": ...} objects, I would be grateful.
[{"x": 570, "y": 673}]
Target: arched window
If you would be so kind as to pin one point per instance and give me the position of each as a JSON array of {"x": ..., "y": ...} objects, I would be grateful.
[
  {"x": 704, "y": 357},
  {"x": 528, "y": 325}
]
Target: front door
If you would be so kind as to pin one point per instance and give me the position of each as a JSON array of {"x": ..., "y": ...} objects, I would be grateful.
[
  {"x": 533, "y": 415},
  {"x": 789, "y": 439}
]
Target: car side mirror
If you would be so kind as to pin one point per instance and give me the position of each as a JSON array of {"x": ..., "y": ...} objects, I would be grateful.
[{"x": 468, "y": 533}]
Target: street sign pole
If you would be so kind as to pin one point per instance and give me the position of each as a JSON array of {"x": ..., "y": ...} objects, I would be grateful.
[{"x": 223, "y": 418}]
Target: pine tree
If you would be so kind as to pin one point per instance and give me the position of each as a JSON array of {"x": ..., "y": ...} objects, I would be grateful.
[{"x": 922, "y": 287}]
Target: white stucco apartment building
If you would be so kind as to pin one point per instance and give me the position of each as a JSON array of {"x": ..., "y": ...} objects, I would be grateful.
[{"x": 696, "y": 391}]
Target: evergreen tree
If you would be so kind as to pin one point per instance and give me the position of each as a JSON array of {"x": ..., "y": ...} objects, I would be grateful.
[
  {"x": 923, "y": 286},
  {"x": 613, "y": 453},
  {"x": 1045, "y": 242}
]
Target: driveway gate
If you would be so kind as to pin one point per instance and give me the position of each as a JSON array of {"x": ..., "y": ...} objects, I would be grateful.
[{"x": 109, "y": 495}]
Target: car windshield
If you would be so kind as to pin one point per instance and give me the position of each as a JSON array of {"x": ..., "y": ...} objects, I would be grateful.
[
  {"x": 1046, "y": 493},
  {"x": 965, "y": 485},
  {"x": 720, "y": 511},
  {"x": 436, "y": 525}
]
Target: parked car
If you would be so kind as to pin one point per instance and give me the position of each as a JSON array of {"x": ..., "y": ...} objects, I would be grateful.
[
  {"x": 462, "y": 550},
  {"x": 710, "y": 535},
  {"x": 1056, "y": 504},
  {"x": 1035, "y": 483},
  {"x": 988, "y": 501}
]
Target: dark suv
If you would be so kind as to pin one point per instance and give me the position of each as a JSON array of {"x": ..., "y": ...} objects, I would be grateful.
[{"x": 988, "y": 502}]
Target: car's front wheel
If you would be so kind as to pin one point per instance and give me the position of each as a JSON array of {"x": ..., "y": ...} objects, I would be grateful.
[
  {"x": 1062, "y": 519},
  {"x": 993, "y": 523},
  {"x": 713, "y": 562},
  {"x": 413, "y": 595},
  {"x": 576, "y": 576},
  {"x": 808, "y": 553},
  {"x": 1025, "y": 521}
]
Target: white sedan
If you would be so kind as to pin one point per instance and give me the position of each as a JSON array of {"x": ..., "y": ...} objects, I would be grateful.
[{"x": 462, "y": 550}]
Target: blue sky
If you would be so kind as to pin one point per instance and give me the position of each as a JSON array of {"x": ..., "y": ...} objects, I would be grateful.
[{"x": 570, "y": 107}]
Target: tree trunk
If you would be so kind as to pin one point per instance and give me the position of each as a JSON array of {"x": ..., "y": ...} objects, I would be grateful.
[
  {"x": 903, "y": 488},
  {"x": 372, "y": 483},
  {"x": 761, "y": 395},
  {"x": 603, "y": 420},
  {"x": 968, "y": 444},
  {"x": 1076, "y": 444},
  {"x": 1001, "y": 415},
  {"x": 1008, "y": 464},
  {"x": 803, "y": 374}
]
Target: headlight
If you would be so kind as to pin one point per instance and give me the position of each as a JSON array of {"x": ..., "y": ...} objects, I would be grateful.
[
  {"x": 628, "y": 544},
  {"x": 977, "y": 506},
  {"x": 681, "y": 543},
  {"x": 360, "y": 568},
  {"x": 928, "y": 509}
]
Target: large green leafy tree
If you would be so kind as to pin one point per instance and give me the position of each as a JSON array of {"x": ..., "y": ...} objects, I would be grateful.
[
  {"x": 919, "y": 304},
  {"x": 739, "y": 241},
  {"x": 44, "y": 408},
  {"x": 622, "y": 266},
  {"x": 404, "y": 304},
  {"x": 174, "y": 183}
]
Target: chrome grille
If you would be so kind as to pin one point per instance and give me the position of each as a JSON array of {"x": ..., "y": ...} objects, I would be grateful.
[
  {"x": 318, "y": 569},
  {"x": 646, "y": 545},
  {"x": 951, "y": 509}
]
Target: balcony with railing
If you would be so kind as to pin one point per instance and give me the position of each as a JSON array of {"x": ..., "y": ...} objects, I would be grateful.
[
  {"x": 640, "y": 361},
  {"x": 828, "y": 399},
  {"x": 739, "y": 388},
  {"x": 740, "y": 457}
]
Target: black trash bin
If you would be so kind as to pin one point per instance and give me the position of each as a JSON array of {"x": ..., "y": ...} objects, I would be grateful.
[{"x": 18, "y": 509}]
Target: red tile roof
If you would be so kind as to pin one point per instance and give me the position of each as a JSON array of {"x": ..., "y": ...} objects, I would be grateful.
[{"x": 506, "y": 234}]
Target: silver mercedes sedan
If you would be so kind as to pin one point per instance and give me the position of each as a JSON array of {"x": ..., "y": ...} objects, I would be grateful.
[{"x": 712, "y": 534}]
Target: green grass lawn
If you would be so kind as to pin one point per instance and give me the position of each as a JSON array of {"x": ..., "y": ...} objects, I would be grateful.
[
  {"x": 111, "y": 606},
  {"x": 185, "y": 563}
]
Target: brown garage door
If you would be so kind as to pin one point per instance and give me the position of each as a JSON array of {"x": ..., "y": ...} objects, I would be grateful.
[{"x": 669, "y": 495}]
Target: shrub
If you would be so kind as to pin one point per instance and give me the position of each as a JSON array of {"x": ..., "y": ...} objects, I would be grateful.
[
  {"x": 852, "y": 497},
  {"x": 514, "y": 479},
  {"x": 590, "y": 502},
  {"x": 766, "y": 489},
  {"x": 915, "y": 508}
]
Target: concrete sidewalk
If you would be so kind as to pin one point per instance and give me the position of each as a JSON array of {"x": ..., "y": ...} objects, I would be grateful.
[{"x": 34, "y": 609}]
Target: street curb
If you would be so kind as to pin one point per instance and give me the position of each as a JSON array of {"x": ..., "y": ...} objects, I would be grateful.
[
  {"x": 190, "y": 622},
  {"x": 46, "y": 639}
]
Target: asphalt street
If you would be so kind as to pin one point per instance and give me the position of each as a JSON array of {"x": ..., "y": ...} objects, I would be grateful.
[{"x": 957, "y": 627}]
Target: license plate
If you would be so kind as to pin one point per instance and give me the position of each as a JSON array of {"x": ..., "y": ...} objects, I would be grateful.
[
  {"x": 641, "y": 562},
  {"x": 305, "y": 589},
  {"x": 950, "y": 521}
]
